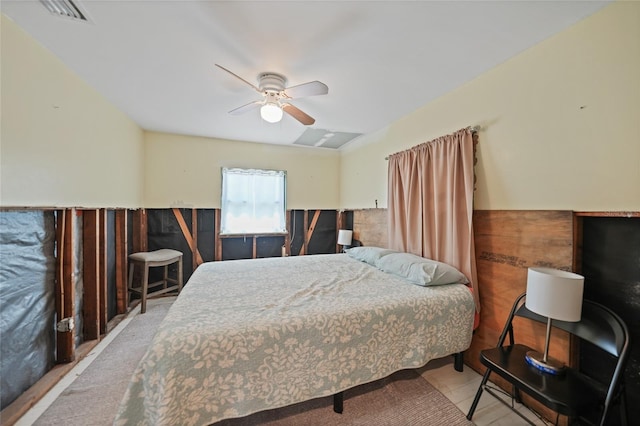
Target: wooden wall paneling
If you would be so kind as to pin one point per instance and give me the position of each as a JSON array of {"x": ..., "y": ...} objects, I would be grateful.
[
  {"x": 102, "y": 275},
  {"x": 507, "y": 243},
  {"x": 370, "y": 227},
  {"x": 122, "y": 256},
  {"x": 65, "y": 284},
  {"x": 91, "y": 274}
]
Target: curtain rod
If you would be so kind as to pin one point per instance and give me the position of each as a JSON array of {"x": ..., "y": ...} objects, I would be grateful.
[{"x": 473, "y": 129}]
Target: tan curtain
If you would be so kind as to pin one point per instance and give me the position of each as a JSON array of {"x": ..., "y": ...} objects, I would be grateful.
[{"x": 430, "y": 202}]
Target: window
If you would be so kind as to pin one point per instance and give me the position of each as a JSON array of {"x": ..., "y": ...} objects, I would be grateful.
[{"x": 253, "y": 201}]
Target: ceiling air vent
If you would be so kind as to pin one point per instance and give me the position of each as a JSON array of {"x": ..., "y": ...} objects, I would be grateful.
[
  {"x": 325, "y": 138},
  {"x": 66, "y": 9}
]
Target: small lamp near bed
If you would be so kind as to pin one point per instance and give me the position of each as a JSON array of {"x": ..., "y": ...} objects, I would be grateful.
[
  {"x": 344, "y": 238},
  {"x": 557, "y": 295}
]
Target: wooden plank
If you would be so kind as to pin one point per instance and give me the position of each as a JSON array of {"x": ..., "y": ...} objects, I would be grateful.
[
  {"x": 187, "y": 236},
  {"x": 254, "y": 249},
  {"x": 139, "y": 231},
  {"x": 102, "y": 276},
  {"x": 90, "y": 274},
  {"x": 65, "y": 285},
  {"x": 314, "y": 221},
  {"x": 194, "y": 234},
  {"x": 370, "y": 227},
  {"x": 218, "y": 241},
  {"x": 287, "y": 237},
  {"x": 305, "y": 228},
  {"x": 339, "y": 221},
  {"x": 609, "y": 214},
  {"x": 308, "y": 229},
  {"x": 507, "y": 243},
  {"x": 122, "y": 255}
]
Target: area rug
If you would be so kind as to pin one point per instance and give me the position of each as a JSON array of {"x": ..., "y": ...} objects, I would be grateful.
[{"x": 404, "y": 398}]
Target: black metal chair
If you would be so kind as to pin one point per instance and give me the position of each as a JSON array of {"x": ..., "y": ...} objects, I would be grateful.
[{"x": 577, "y": 394}]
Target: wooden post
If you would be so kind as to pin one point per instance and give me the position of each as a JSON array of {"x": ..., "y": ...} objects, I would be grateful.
[
  {"x": 339, "y": 221},
  {"x": 122, "y": 256},
  {"x": 195, "y": 260},
  {"x": 104, "y": 309},
  {"x": 90, "y": 274},
  {"x": 287, "y": 237},
  {"x": 254, "y": 243},
  {"x": 140, "y": 242},
  {"x": 305, "y": 225},
  {"x": 65, "y": 286},
  {"x": 218, "y": 241}
]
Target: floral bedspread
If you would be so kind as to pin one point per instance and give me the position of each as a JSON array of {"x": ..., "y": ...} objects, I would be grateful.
[{"x": 249, "y": 335}]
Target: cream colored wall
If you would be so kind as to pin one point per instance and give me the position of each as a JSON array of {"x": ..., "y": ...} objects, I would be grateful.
[
  {"x": 61, "y": 143},
  {"x": 185, "y": 171},
  {"x": 560, "y": 131},
  {"x": 561, "y": 124}
]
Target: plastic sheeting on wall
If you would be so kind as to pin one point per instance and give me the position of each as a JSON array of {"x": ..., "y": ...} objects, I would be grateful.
[{"x": 27, "y": 300}]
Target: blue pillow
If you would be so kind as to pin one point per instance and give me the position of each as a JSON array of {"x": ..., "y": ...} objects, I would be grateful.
[
  {"x": 368, "y": 255},
  {"x": 419, "y": 270}
]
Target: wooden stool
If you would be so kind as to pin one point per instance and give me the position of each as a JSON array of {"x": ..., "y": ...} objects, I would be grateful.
[{"x": 146, "y": 260}]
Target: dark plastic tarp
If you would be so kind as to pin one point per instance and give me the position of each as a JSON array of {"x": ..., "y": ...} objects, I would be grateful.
[{"x": 27, "y": 300}]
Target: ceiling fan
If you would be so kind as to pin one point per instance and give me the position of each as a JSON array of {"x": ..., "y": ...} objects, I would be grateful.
[{"x": 275, "y": 96}]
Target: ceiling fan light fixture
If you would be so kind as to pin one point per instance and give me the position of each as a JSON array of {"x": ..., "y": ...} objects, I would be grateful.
[{"x": 271, "y": 112}]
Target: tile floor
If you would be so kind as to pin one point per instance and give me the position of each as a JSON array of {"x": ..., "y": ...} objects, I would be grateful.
[{"x": 461, "y": 388}]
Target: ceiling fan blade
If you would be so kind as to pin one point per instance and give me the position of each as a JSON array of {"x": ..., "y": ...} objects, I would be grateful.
[
  {"x": 238, "y": 77},
  {"x": 298, "y": 114},
  {"x": 312, "y": 88},
  {"x": 245, "y": 108}
]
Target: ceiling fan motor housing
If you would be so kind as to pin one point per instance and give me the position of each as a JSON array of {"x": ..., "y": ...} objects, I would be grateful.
[{"x": 271, "y": 82}]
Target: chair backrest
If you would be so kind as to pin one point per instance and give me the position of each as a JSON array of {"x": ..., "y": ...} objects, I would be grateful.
[{"x": 599, "y": 325}]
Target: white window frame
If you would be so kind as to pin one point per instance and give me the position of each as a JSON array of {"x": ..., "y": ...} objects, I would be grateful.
[{"x": 242, "y": 213}]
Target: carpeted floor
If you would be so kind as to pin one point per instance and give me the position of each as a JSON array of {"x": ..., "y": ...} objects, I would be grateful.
[
  {"x": 93, "y": 398},
  {"x": 405, "y": 398}
]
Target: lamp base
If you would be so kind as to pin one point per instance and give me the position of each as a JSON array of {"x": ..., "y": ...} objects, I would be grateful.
[{"x": 551, "y": 366}]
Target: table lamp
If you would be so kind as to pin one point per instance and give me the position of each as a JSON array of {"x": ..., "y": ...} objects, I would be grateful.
[
  {"x": 556, "y": 295},
  {"x": 344, "y": 238}
]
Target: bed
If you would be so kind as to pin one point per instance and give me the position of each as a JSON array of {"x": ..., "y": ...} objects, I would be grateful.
[{"x": 249, "y": 335}]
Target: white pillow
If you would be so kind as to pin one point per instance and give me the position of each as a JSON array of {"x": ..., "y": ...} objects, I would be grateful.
[
  {"x": 419, "y": 270},
  {"x": 368, "y": 254}
]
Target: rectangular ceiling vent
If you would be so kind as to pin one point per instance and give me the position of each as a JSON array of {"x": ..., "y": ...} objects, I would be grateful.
[
  {"x": 325, "y": 138},
  {"x": 66, "y": 9}
]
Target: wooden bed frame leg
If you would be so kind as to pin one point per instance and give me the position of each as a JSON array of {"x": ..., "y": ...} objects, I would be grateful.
[
  {"x": 458, "y": 361},
  {"x": 338, "y": 402}
]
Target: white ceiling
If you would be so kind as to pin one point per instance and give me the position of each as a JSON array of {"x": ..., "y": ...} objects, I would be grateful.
[{"x": 154, "y": 60}]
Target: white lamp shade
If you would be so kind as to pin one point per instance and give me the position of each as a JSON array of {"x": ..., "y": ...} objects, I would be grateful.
[
  {"x": 344, "y": 237},
  {"x": 271, "y": 112},
  {"x": 555, "y": 294}
]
